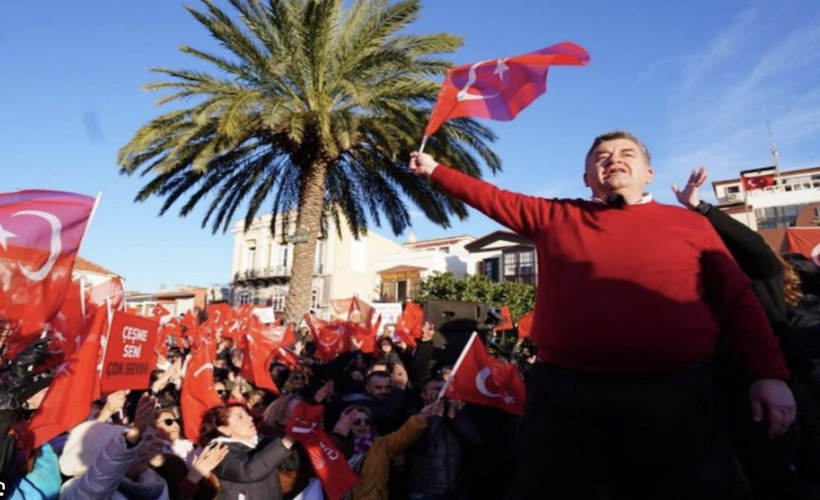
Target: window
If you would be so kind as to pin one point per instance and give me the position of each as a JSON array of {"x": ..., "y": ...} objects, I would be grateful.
[
  {"x": 733, "y": 189},
  {"x": 510, "y": 264},
  {"x": 250, "y": 254},
  {"x": 243, "y": 299},
  {"x": 491, "y": 269},
  {"x": 282, "y": 255},
  {"x": 444, "y": 249},
  {"x": 278, "y": 301},
  {"x": 519, "y": 266},
  {"x": 314, "y": 298}
]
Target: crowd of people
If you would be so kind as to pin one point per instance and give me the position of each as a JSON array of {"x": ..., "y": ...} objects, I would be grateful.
[
  {"x": 381, "y": 409},
  {"x": 672, "y": 353}
]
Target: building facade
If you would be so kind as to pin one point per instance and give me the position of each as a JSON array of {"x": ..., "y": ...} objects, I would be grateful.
[
  {"x": 770, "y": 201},
  {"x": 343, "y": 266}
]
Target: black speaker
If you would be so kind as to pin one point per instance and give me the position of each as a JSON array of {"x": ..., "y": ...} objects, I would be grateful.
[{"x": 454, "y": 322}]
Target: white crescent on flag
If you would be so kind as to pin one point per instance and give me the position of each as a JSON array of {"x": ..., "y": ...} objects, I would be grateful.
[
  {"x": 815, "y": 255},
  {"x": 481, "y": 383},
  {"x": 463, "y": 95},
  {"x": 56, "y": 246}
]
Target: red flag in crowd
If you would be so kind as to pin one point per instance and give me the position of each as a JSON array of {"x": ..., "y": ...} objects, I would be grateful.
[
  {"x": 69, "y": 324},
  {"x": 331, "y": 339},
  {"x": 40, "y": 234},
  {"x": 287, "y": 357},
  {"x": 257, "y": 356},
  {"x": 110, "y": 291},
  {"x": 507, "y": 323},
  {"x": 189, "y": 322},
  {"x": 168, "y": 335},
  {"x": 220, "y": 318},
  {"x": 74, "y": 387},
  {"x": 805, "y": 241},
  {"x": 160, "y": 311},
  {"x": 198, "y": 395},
  {"x": 486, "y": 380},
  {"x": 525, "y": 325},
  {"x": 408, "y": 324},
  {"x": 328, "y": 462},
  {"x": 500, "y": 88}
]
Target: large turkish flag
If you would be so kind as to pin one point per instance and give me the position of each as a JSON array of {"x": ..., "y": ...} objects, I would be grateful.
[{"x": 40, "y": 235}]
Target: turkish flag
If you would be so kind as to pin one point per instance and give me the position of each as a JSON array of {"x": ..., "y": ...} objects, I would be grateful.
[
  {"x": 483, "y": 379},
  {"x": 221, "y": 318},
  {"x": 805, "y": 241},
  {"x": 160, "y": 311},
  {"x": 328, "y": 462},
  {"x": 752, "y": 182},
  {"x": 287, "y": 357},
  {"x": 189, "y": 323},
  {"x": 257, "y": 356},
  {"x": 408, "y": 324},
  {"x": 198, "y": 395},
  {"x": 331, "y": 339},
  {"x": 168, "y": 335},
  {"x": 507, "y": 323},
  {"x": 74, "y": 387},
  {"x": 525, "y": 325},
  {"x": 500, "y": 88},
  {"x": 111, "y": 291},
  {"x": 68, "y": 326},
  {"x": 40, "y": 234}
]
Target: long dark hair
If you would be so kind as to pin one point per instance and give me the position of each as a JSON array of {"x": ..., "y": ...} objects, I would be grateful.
[{"x": 215, "y": 418}]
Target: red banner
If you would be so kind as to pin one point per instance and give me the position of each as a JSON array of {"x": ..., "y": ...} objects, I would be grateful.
[
  {"x": 805, "y": 241},
  {"x": 129, "y": 355}
]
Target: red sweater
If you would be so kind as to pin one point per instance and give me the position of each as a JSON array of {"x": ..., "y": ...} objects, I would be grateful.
[{"x": 646, "y": 288}]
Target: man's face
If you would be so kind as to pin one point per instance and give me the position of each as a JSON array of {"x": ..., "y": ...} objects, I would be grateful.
[
  {"x": 431, "y": 390},
  {"x": 617, "y": 166},
  {"x": 379, "y": 387}
]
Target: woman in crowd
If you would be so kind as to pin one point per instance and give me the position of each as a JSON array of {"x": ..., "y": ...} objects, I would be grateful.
[
  {"x": 168, "y": 428},
  {"x": 251, "y": 468}
]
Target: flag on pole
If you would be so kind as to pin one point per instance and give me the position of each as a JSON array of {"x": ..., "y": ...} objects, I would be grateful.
[
  {"x": 486, "y": 380},
  {"x": 329, "y": 464},
  {"x": 40, "y": 235},
  {"x": 500, "y": 88},
  {"x": 525, "y": 325}
]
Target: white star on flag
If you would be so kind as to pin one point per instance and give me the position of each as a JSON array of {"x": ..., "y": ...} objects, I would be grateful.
[{"x": 500, "y": 69}]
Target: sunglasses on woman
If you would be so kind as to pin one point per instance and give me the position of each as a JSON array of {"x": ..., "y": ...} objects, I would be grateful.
[
  {"x": 169, "y": 421},
  {"x": 361, "y": 421}
]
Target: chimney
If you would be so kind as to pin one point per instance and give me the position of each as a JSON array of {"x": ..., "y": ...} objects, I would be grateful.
[{"x": 412, "y": 238}]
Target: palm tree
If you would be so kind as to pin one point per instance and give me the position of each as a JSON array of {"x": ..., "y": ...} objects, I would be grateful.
[{"x": 315, "y": 109}]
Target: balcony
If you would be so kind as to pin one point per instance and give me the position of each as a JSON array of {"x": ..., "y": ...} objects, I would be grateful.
[{"x": 268, "y": 275}]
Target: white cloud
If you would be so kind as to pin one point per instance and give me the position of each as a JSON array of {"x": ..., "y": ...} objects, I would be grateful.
[{"x": 716, "y": 113}]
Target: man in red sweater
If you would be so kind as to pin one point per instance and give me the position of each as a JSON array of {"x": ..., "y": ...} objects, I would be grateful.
[{"x": 633, "y": 297}]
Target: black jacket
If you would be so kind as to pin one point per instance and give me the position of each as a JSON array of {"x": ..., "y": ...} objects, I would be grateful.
[
  {"x": 759, "y": 262},
  {"x": 434, "y": 464},
  {"x": 252, "y": 472}
]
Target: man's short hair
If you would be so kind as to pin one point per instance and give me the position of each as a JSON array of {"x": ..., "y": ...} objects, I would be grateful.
[
  {"x": 380, "y": 373},
  {"x": 621, "y": 134}
]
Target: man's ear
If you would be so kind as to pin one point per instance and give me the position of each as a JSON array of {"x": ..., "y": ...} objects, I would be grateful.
[
  {"x": 586, "y": 182},
  {"x": 651, "y": 174}
]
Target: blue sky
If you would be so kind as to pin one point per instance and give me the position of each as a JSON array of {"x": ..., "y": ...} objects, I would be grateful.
[{"x": 691, "y": 78}]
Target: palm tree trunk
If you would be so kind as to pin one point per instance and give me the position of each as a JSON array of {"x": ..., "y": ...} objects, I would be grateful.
[{"x": 308, "y": 223}]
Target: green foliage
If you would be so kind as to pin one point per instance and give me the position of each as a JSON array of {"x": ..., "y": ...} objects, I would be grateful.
[
  {"x": 342, "y": 88},
  {"x": 519, "y": 297}
]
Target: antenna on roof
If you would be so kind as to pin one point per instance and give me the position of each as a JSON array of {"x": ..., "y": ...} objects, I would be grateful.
[{"x": 772, "y": 146}]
